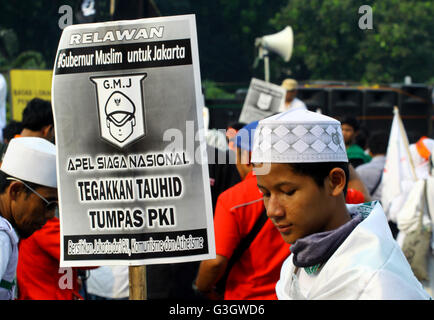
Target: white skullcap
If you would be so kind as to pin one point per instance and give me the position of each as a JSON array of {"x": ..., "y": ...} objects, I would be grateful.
[
  {"x": 297, "y": 136},
  {"x": 31, "y": 159},
  {"x": 289, "y": 84}
]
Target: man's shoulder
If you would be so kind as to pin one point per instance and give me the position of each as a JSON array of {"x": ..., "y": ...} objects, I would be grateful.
[
  {"x": 298, "y": 103},
  {"x": 5, "y": 246},
  {"x": 356, "y": 151},
  {"x": 4, "y": 238},
  {"x": 6, "y": 226},
  {"x": 373, "y": 166},
  {"x": 368, "y": 168},
  {"x": 355, "y": 148},
  {"x": 377, "y": 240}
]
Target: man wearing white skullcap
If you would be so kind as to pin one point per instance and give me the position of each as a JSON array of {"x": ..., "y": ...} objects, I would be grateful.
[
  {"x": 338, "y": 251},
  {"x": 291, "y": 100},
  {"x": 28, "y": 198}
]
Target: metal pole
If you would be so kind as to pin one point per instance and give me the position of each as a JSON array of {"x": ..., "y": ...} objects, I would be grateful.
[
  {"x": 137, "y": 276},
  {"x": 266, "y": 66},
  {"x": 112, "y": 8}
]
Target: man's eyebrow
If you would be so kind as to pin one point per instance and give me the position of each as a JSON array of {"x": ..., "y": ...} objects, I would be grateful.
[{"x": 277, "y": 185}]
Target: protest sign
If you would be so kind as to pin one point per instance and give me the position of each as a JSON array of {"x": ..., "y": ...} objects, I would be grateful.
[
  {"x": 263, "y": 99},
  {"x": 132, "y": 174},
  {"x": 26, "y": 85}
]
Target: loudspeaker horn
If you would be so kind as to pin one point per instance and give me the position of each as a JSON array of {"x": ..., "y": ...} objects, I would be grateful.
[{"x": 281, "y": 43}]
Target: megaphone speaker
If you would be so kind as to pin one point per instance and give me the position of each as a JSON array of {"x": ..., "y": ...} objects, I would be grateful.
[{"x": 281, "y": 43}]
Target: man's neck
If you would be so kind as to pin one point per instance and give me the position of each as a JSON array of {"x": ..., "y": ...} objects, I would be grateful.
[
  {"x": 288, "y": 102},
  {"x": 31, "y": 133},
  {"x": 340, "y": 217}
]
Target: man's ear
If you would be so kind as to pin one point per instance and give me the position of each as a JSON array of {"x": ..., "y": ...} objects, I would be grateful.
[
  {"x": 15, "y": 189},
  {"x": 47, "y": 129},
  {"x": 337, "y": 181},
  {"x": 247, "y": 157}
]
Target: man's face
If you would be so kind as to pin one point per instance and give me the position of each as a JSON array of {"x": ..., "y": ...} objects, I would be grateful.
[
  {"x": 29, "y": 210},
  {"x": 296, "y": 205},
  {"x": 348, "y": 133},
  {"x": 290, "y": 95}
]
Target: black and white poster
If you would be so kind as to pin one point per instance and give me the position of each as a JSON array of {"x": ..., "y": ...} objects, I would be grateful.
[
  {"x": 132, "y": 174},
  {"x": 263, "y": 99}
]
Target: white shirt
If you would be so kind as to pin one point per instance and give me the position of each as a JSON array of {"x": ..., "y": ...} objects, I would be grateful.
[
  {"x": 369, "y": 264},
  {"x": 5, "y": 252},
  {"x": 8, "y": 258},
  {"x": 295, "y": 104},
  {"x": 109, "y": 282}
]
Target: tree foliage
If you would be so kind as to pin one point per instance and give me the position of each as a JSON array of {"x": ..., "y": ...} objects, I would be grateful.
[
  {"x": 328, "y": 43},
  {"x": 226, "y": 34},
  {"x": 11, "y": 57},
  {"x": 32, "y": 31}
]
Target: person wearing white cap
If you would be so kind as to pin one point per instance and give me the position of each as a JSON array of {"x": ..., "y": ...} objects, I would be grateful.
[
  {"x": 291, "y": 100},
  {"x": 249, "y": 250},
  {"x": 28, "y": 198},
  {"x": 338, "y": 251},
  {"x": 37, "y": 121}
]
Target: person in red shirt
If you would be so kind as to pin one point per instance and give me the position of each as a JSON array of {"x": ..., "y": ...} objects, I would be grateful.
[
  {"x": 255, "y": 274},
  {"x": 39, "y": 276}
]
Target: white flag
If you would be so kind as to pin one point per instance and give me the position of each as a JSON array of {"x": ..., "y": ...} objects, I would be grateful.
[{"x": 399, "y": 174}]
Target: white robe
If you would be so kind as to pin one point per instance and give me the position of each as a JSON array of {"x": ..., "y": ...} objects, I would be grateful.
[
  {"x": 294, "y": 105},
  {"x": 8, "y": 258},
  {"x": 369, "y": 264}
]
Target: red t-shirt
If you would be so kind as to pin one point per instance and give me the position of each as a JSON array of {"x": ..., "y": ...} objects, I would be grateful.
[
  {"x": 254, "y": 276},
  {"x": 38, "y": 275}
]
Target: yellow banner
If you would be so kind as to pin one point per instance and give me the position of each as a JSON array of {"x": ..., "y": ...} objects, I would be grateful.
[{"x": 26, "y": 85}]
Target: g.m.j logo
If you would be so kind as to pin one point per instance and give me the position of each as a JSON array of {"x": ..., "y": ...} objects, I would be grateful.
[{"x": 121, "y": 108}]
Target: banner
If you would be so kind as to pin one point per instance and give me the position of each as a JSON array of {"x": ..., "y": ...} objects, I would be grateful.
[
  {"x": 132, "y": 173},
  {"x": 3, "y": 96},
  {"x": 263, "y": 99},
  {"x": 399, "y": 174},
  {"x": 26, "y": 85}
]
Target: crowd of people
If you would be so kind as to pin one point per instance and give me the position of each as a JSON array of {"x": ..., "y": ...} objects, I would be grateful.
[{"x": 297, "y": 215}]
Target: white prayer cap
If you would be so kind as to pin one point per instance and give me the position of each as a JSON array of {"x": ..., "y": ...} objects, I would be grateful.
[
  {"x": 289, "y": 84},
  {"x": 31, "y": 159},
  {"x": 297, "y": 136}
]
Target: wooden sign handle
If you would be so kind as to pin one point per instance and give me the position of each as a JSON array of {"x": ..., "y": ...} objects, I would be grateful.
[{"x": 137, "y": 276}]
